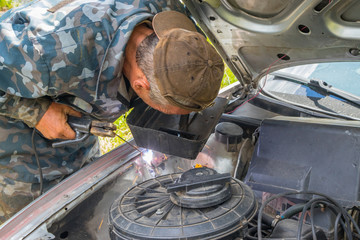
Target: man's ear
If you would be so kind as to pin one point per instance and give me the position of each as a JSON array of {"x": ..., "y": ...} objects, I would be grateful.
[{"x": 141, "y": 84}]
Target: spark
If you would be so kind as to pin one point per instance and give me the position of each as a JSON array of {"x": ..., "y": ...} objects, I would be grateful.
[
  {"x": 147, "y": 156},
  {"x": 102, "y": 220},
  {"x": 134, "y": 181}
]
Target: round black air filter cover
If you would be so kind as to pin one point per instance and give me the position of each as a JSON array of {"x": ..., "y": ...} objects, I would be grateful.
[
  {"x": 200, "y": 188},
  {"x": 147, "y": 212}
]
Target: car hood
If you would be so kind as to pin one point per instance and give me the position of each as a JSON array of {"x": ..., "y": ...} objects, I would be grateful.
[{"x": 259, "y": 36}]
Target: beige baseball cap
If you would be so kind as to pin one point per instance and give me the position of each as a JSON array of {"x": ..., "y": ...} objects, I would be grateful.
[{"x": 187, "y": 68}]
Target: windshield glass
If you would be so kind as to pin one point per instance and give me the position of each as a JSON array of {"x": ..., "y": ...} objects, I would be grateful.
[
  {"x": 342, "y": 75},
  {"x": 329, "y": 87}
]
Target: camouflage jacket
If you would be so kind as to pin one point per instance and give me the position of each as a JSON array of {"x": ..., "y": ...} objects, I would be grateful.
[{"x": 69, "y": 51}]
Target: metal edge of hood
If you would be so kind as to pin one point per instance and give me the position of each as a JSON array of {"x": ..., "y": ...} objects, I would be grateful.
[
  {"x": 239, "y": 70},
  {"x": 33, "y": 221},
  {"x": 250, "y": 43}
]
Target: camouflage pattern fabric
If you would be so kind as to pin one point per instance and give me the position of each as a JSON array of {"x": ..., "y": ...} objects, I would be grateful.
[{"x": 68, "y": 51}]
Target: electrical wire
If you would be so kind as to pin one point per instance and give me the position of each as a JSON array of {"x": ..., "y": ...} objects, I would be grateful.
[
  {"x": 333, "y": 209},
  {"x": 301, "y": 220},
  {"x": 312, "y": 221},
  {"x": 37, "y": 161},
  {"x": 266, "y": 74},
  {"x": 317, "y": 201},
  {"x": 336, "y": 210},
  {"x": 336, "y": 231},
  {"x": 333, "y": 205}
]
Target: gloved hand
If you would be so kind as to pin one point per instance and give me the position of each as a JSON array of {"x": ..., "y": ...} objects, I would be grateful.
[{"x": 53, "y": 124}]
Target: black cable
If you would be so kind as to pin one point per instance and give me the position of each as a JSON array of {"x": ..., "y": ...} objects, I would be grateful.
[
  {"x": 338, "y": 210},
  {"x": 312, "y": 221},
  {"x": 338, "y": 217},
  {"x": 305, "y": 208},
  {"x": 291, "y": 211},
  {"x": 323, "y": 201},
  {"x": 37, "y": 161},
  {"x": 328, "y": 200},
  {"x": 333, "y": 209}
]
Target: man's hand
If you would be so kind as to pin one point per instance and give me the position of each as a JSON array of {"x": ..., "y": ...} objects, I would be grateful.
[{"x": 54, "y": 122}]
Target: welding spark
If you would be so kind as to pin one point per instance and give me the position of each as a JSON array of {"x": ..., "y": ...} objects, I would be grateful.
[
  {"x": 102, "y": 220},
  {"x": 134, "y": 181},
  {"x": 147, "y": 156}
]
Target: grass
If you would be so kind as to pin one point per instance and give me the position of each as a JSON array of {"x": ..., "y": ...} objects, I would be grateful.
[{"x": 108, "y": 144}]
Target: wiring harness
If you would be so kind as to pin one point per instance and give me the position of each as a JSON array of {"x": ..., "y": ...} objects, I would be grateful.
[{"x": 343, "y": 219}]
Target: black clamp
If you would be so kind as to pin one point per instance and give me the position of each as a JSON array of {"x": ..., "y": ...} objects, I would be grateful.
[{"x": 84, "y": 126}]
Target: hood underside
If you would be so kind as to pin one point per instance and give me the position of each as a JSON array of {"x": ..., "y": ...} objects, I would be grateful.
[{"x": 254, "y": 35}]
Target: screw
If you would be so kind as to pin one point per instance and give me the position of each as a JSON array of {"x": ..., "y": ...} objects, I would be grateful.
[
  {"x": 354, "y": 51},
  {"x": 159, "y": 211}
]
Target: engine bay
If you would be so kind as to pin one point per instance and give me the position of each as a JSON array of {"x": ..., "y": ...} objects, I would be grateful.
[
  {"x": 298, "y": 175},
  {"x": 294, "y": 172}
]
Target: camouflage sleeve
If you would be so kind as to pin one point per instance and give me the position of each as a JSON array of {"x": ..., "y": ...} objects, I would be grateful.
[
  {"x": 28, "y": 110},
  {"x": 23, "y": 75}
]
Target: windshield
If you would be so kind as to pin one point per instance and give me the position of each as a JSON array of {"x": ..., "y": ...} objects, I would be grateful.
[{"x": 327, "y": 87}]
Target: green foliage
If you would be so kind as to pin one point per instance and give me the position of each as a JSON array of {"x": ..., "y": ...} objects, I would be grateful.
[
  {"x": 7, "y": 4},
  {"x": 228, "y": 78},
  {"x": 108, "y": 144}
]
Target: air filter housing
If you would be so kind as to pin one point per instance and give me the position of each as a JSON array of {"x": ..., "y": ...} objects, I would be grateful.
[{"x": 147, "y": 211}]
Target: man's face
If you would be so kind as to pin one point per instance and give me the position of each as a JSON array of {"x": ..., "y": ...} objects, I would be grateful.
[{"x": 168, "y": 109}]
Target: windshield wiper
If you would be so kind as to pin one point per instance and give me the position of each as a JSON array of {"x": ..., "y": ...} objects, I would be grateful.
[{"x": 320, "y": 87}]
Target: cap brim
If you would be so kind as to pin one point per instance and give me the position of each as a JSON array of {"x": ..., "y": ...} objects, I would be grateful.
[{"x": 167, "y": 20}]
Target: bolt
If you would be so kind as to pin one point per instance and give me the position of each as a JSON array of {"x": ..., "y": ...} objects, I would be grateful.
[
  {"x": 159, "y": 211},
  {"x": 354, "y": 51}
]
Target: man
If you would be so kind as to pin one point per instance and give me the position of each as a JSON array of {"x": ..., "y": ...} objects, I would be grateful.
[{"x": 60, "y": 58}]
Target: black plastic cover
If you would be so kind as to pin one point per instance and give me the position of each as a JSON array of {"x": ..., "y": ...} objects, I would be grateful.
[
  {"x": 177, "y": 135},
  {"x": 200, "y": 188},
  {"x": 308, "y": 154}
]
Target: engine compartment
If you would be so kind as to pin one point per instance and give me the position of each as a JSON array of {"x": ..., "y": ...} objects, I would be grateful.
[
  {"x": 301, "y": 169},
  {"x": 294, "y": 155}
]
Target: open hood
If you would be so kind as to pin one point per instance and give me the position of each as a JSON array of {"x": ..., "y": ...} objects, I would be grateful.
[{"x": 252, "y": 35}]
